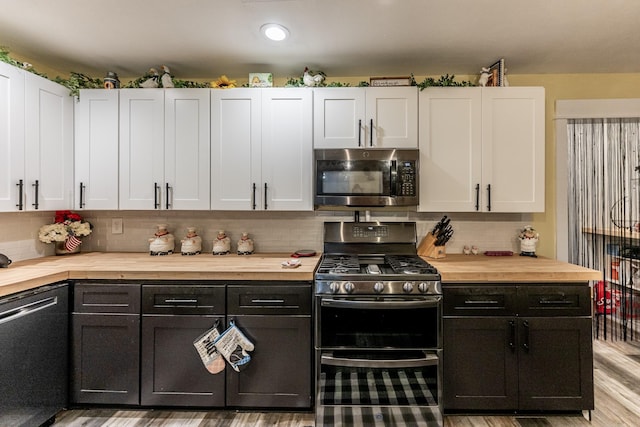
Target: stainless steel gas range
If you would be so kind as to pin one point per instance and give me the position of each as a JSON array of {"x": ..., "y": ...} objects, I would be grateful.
[{"x": 378, "y": 341}]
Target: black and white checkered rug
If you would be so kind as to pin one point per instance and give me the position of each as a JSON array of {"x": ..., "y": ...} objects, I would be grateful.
[{"x": 377, "y": 398}]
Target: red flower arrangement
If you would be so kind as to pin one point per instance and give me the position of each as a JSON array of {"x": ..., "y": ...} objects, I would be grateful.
[{"x": 67, "y": 227}]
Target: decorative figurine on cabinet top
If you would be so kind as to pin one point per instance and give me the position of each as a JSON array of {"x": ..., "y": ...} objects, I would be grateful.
[
  {"x": 162, "y": 242},
  {"x": 221, "y": 244},
  {"x": 528, "y": 241},
  {"x": 245, "y": 245},
  {"x": 192, "y": 243}
]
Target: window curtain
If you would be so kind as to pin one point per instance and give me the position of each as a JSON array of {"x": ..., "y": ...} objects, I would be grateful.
[{"x": 604, "y": 217}]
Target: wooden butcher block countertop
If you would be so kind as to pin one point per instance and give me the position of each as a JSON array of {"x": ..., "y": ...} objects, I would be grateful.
[
  {"x": 457, "y": 268},
  {"x": 32, "y": 273}
]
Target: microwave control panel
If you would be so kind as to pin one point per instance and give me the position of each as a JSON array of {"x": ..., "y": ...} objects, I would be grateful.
[{"x": 406, "y": 179}]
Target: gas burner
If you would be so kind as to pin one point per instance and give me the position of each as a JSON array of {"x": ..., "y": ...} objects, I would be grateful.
[
  {"x": 409, "y": 264},
  {"x": 339, "y": 264}
]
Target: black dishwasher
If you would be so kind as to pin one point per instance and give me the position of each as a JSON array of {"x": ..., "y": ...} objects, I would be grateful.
[
  {"x": 171, "y": 370},
  {"x": 276, "y": 318},
  {"x": 33, "y": 360}
]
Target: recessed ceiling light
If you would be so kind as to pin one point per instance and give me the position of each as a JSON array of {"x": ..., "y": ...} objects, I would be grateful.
[{"x": 275, "y": 32}]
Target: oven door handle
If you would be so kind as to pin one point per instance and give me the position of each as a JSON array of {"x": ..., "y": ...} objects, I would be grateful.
[
  {"x": 428, "y": 302},
  {"x": 428, "y": 360}
]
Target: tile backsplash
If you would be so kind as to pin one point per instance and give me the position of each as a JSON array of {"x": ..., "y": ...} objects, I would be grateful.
[{"x": 271, "y": 231}]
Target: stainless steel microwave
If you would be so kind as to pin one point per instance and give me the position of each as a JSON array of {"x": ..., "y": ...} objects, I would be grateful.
[{"x": 358, "y": 177}]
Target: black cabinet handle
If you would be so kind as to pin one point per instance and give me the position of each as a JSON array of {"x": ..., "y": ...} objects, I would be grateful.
[
  {"x": 512, "y": 335},
  {"x": 253, "y": 197},
  {"x": 20, "y": 204},
  {"x": 489, "y": 197},
  {"x": 81, "y": 204},
  {"x": 36, "y": 186},
  {"x": 167, "y": 189},
  {"x": 360, "y": 133},
  {"x": 525, "y": 342},
  {"x": 477, "y": 197},
  {"x": 265, "y": 196},
  {"x": 371, "y": 133},
  {"x": 156, "y": 203}
]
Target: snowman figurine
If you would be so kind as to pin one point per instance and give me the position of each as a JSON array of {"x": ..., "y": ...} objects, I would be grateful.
[
  {"x": 162, "y": 242},
  {"x": 221, "y": 244},
  {"x": 245, "y": 245},
  {"x": 528, "y": 241},
  {"x": 192, "y": 243}
]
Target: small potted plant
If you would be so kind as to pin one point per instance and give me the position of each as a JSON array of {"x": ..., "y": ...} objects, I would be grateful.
[{"x": 65, "y": 232}]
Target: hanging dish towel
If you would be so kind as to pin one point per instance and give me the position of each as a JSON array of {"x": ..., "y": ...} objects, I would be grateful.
[
  {"x": 234, "y": 347},
  {"x": 207, "y": 350}
]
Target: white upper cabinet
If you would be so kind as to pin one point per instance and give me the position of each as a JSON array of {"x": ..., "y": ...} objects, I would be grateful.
[
  {"x": 385, "y": 117},
  {"x": 96, "y": 149},
  {"x": 48, "y": 144},
  {"x": 513, "y": 148},
  {"x": 12, "y": 177},
  {"x": 187, "y": 149},
  {"x": 141, "y": 148},
  {"x": 450, "y": 149},
  {"x": 164, "y": 149},
  {"x": 261, "y": 149},
  {"x": 482, "y": 149},
  {"x": 36, "y": 142}
]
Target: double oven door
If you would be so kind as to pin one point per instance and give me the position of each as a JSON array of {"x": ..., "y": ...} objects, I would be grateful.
[{"x": 378, "y": 360}]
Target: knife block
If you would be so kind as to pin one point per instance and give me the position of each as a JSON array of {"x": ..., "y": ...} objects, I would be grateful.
[{"x": 428, "y": 248}]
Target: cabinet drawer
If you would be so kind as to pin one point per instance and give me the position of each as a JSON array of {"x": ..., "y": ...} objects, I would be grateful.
[
  {"x": 106, "y": 298},
  {"x": 183, "y": 299},
  {"x": 269, "y": 299},
  {"x": 479, "y": 300},
  {"x": 554, "y": 300}
]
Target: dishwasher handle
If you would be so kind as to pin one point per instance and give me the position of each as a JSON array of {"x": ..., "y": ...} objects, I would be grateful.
[{"x": 27, "y": 309}]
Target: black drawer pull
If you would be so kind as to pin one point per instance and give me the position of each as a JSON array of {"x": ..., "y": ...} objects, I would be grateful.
[
  {"x": 180, "y": 301},
  {"x": 267, "y": 301},
  {"x": 555, "y": 302},
  {"x": 472, "y": 301}
]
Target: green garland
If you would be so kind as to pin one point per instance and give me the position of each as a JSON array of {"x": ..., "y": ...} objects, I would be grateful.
[{"x": 77, "y": 81}]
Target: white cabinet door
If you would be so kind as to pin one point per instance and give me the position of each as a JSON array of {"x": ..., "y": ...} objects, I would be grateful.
[
  {"x": 142, "y": 149},
  {"x": 366, "y": 117},
  {"x": 11, "y": 138},
  {"x": 482, "y": 149},
  {"x": 392, "y": 117},
  {"x": 338, "y": 117},
  {"x": 187, "y": 149},
  {"x": 48, "y": 144},
  {"x": 513, "y": 149},
  {"x": 96, "y": 149},
  {"x": 261, "y": 149},
  {"x": 450, "y": 149},
  {"x": 236, "y": 139},
  {"x": 287, "y": 154}
]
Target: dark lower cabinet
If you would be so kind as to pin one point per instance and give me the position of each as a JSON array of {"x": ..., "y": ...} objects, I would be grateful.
[
  {"x": 276, "y": 318},
  {"x": 517, "y": 348},
  {"x": 279, "y": 373},
  {"x": 105, "y": 350},
  {"x": 172, "y": 372}
]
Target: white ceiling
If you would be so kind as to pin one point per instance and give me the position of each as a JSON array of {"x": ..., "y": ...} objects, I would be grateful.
[{"x": 207, "y": 38}]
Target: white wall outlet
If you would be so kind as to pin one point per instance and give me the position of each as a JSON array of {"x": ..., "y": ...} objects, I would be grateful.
[{"x": 116, "y": 225}]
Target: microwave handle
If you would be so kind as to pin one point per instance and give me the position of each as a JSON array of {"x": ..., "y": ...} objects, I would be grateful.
[{"x": 393, "y": 179}]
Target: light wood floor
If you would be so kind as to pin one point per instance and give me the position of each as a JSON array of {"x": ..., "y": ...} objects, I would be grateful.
[{"x": 617, "y": 397}]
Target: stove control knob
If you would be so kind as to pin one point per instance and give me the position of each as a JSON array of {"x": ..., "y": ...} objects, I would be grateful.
[
  {"x": 378, "y": 287},
  {"x": 349, "y": 287},
  {"x": 334, "y": 287},
  {"x": 407, "y": 287},
  {"x": 423, "y": 287}
]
